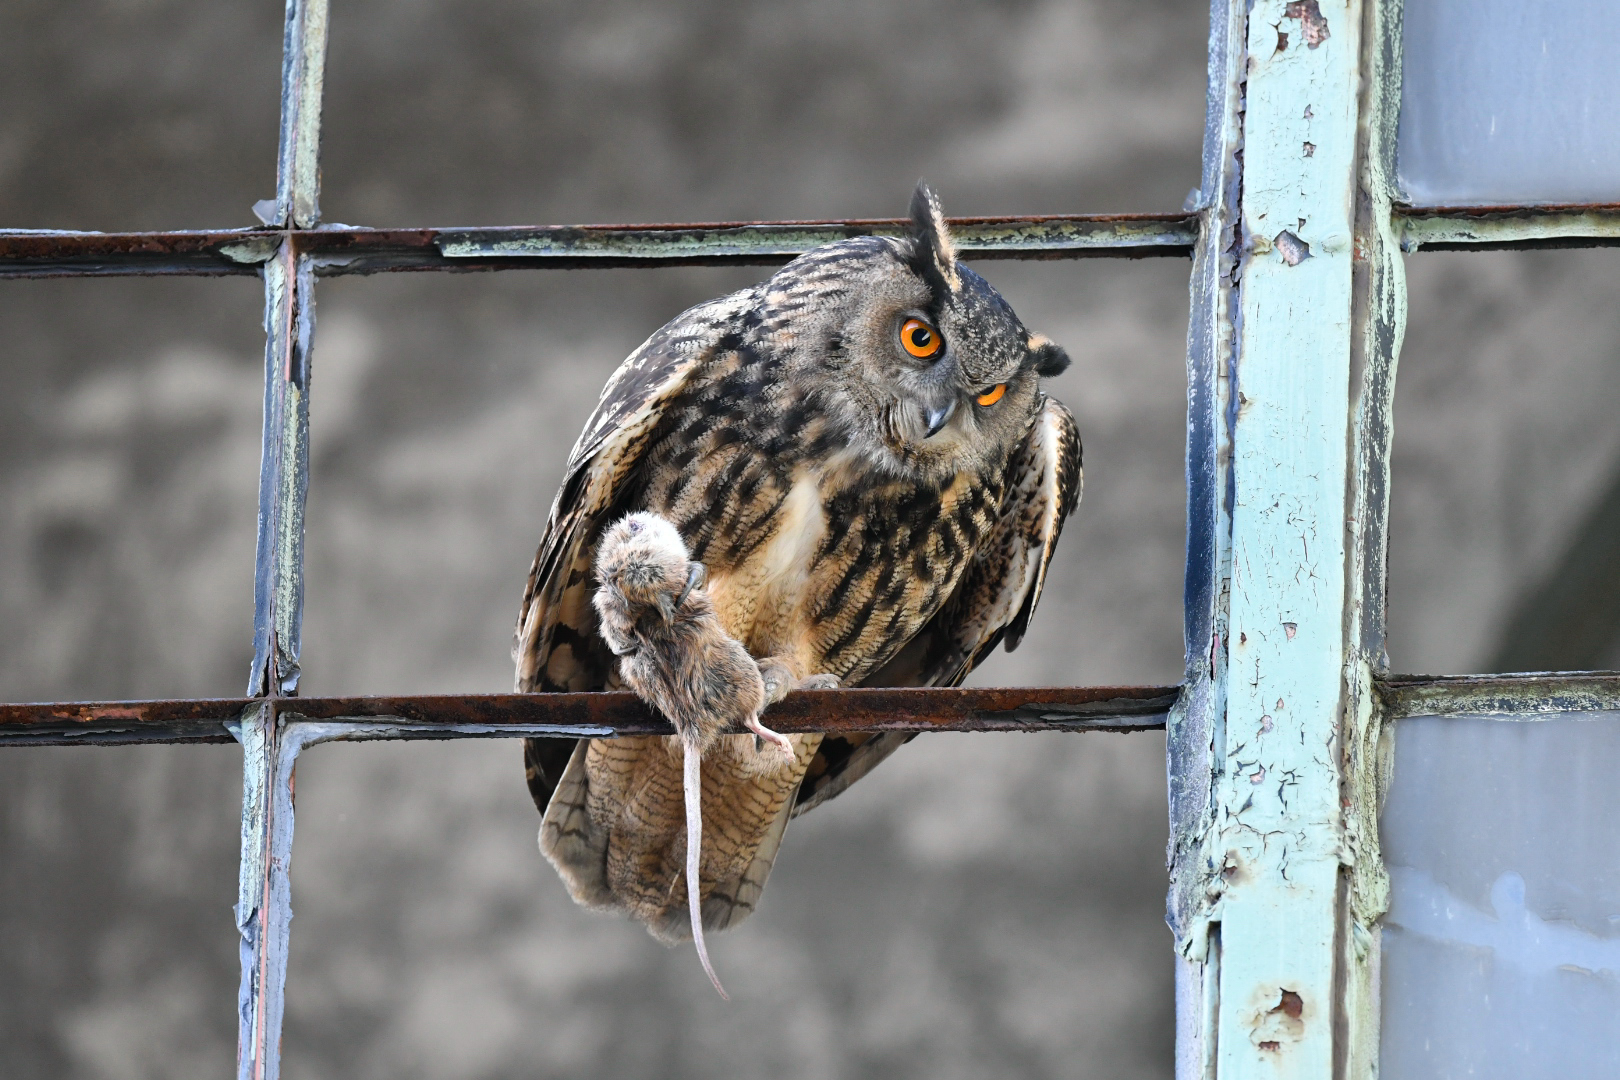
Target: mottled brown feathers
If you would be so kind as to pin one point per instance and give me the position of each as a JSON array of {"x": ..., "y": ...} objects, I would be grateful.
[{"x": 859, "y": 515}]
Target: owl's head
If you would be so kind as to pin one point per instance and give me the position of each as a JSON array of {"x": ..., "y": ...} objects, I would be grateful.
[{"x": 930, "y": 370}]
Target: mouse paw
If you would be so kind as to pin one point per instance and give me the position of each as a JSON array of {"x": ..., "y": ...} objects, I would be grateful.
[{"x": 763, "y": 735}]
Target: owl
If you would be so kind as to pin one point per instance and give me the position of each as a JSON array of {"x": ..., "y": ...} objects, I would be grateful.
[{"x": 859, "y": 452}]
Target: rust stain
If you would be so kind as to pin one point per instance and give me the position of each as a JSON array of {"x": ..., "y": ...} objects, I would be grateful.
[
  {"x": 1292, "y": 249},
  {"x": 1312, "y": 24},
  {"x": 1095, "y": 708},
  {"x": 1278, "y": 1021}
]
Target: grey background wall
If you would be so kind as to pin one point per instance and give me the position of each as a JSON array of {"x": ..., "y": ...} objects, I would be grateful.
[{"x": 981, "y": 905}]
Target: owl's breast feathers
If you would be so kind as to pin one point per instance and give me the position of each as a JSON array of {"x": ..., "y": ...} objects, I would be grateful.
[{"x": 813, "y": 553}]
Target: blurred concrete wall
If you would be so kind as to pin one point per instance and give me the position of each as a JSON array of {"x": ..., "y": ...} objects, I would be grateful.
[{"x": 981, "y": 905}]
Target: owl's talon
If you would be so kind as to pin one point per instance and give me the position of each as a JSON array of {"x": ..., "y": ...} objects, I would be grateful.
[{"x": 819, "y": 682}]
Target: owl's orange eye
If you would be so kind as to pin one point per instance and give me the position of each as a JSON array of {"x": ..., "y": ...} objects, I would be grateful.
[
  {"x": 920, "y": 339},
  {"x": 992, "y": 395}
]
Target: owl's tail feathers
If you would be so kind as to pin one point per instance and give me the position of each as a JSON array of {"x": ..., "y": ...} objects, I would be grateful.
[
  {"x": 692, "y": 781},
  {"x": 571, "y": 840}
]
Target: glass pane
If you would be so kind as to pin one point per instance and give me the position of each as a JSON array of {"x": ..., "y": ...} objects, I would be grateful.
[
  {"x": 1504, "y": 547},
  {"x": 1501, "y": 949},
  {"x": 1505, "y": 101}
]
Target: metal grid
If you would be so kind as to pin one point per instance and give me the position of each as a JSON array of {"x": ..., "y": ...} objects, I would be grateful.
[{"x": 273, "y": 724}]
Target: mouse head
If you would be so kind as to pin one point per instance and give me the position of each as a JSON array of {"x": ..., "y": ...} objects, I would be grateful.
[{"x": 641, "y": 564}]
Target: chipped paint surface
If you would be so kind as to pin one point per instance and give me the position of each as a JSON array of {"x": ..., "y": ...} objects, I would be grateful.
[
  {"x": 1196, "y": 727},
  {"x": 1278, "y": 817},
  {"x": 289, "y": 320},
  {"x": 979, "y": 238},
  {"x": 1487, "y": 228},
  {"x": 303, "y": 75},
  {"x": 1380, "y": 299}
]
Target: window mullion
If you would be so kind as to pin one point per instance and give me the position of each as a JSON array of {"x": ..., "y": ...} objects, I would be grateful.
[
  {"x": 1279, "y": 820},
  {"x": 269, "y": 746}
]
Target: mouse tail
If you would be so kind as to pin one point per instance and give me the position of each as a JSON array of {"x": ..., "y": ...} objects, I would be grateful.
[{"x": 693, "y": 783}]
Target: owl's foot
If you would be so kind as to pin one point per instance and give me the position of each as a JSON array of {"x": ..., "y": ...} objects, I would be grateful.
[{"x": 781, "y": 680}]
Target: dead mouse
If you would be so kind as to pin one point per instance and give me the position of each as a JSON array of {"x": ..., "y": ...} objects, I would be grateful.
[{"x": 656, "y": 617}]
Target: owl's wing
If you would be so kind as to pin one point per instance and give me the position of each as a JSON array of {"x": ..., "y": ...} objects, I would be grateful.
[
  {"x": 556, "y": 646},
  {"x": 992, "y": 603}
]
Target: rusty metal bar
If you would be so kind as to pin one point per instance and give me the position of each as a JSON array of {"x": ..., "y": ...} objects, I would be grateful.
[
  {"x": 1494, "y": 228},
  {"x": 1529, "y": 696},
  {"x": 353, "y": 250},
  {"x": 603, "y": 715}
]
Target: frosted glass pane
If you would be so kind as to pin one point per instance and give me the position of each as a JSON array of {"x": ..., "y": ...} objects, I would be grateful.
[
  {"x": 1510, "y": 101},
  {"x": 1501, "y": 956}
]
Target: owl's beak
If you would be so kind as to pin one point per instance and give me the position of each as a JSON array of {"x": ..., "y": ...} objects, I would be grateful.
[{"x": 938, "y": 418}]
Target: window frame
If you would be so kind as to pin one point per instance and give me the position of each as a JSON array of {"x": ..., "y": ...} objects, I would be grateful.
[{"x": 1276, "y": 943}]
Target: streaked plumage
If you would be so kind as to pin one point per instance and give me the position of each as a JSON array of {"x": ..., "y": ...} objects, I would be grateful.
[{"x": 858, "y": 513}]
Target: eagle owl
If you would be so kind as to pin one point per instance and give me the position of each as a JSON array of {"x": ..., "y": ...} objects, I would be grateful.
[{"x": 859, "y": 452}]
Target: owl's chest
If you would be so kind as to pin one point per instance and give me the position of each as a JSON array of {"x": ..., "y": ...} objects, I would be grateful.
[{"x": 832, "y": 566}]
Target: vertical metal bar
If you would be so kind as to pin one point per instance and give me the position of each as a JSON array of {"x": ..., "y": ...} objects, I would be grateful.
[
  {"x": 278, "y": 591},
  {"x": 263, "y": 911},
  {"x": 1195, "y": 727},
  {"x": 264, "y": 905},
  {"x": 1380, "y": 323},
  {"x": 270, "y": 747},
  {"x": 1279, "y": 812},
  {"x": 303, "y": 73}
]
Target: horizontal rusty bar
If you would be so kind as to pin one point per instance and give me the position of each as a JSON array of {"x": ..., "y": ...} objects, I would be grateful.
[
  {"x": 1530, "y": 695},
  {"x": 1096, "y": 708},
  {"x": 1494, "y": 228},
  {"x": 40, "y": 253},
  {"x": 191, "y": 720},
  {"x": 342, "y": 249}
]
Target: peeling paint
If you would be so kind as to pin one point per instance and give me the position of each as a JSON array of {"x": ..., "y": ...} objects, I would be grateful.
[
  {"x": 1493, "y": 228},
  {"x": 1313, "y": 26},
  {"x": 303, "y": 76},
  {"x": 1279, "y": 808},
  {"x": 1292, "y": 249}
]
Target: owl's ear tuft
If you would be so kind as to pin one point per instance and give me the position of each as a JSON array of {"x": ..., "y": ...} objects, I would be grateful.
[
  {"x": 1047, "y": 357},
  {"x": 933, "y": 255}
]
